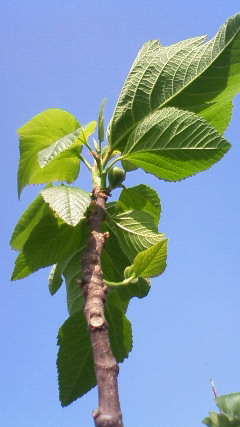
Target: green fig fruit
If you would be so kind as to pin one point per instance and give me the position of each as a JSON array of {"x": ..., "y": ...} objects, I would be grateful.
[{"x": 116, "y": 176}]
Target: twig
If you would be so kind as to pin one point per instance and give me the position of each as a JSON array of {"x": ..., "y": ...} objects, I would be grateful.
[
  {"x": 213, "y": 388},
  {"x": 215, "y": 392}
]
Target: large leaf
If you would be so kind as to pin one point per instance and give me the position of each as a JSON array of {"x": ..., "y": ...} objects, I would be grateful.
[
  {"x": 190, "y": 74},
  {"x": 76, "y": 374},
  {"x": 140, "y": 197},
  {"x": 68, "y": 202},
  {"x": 113, "y": 259},
  {"x": 173, "y": 144},
  {"x": 71, "y": 269},
  {"x": 120, "y": 332},
  {"x": 27, "y": 222},
  {"x": 50, "y": 241},
  {"x": 229, "y": 404},
  {"x": 61, "y": 137},
  {"x": 135, "y": 231},
  {"x": 72, "y": 274}
]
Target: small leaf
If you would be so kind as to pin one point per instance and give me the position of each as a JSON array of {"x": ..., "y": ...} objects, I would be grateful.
[
  {"x": 76, "y": 375},
  {"x": 101, "y": 122},
  {"x": 54, "y": 279},
  {"x": 152, "y": 261},
  {"x": 68, "y": 202},
  {"x": 140, "y": 197},
  {"x": 219, "y": 420}
]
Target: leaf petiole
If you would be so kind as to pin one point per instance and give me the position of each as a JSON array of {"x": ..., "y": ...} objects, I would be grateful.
[{"x": 132, "y": 279}]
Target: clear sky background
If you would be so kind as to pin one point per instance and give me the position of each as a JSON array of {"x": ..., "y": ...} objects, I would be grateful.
[{"x": 70, "y": 55}]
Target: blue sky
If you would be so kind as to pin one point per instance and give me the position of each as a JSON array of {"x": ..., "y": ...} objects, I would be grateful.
[{"x": 70, "y": 55}]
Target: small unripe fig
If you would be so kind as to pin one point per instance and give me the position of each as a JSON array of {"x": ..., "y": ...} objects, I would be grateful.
[{"x": 116, "y": 176}]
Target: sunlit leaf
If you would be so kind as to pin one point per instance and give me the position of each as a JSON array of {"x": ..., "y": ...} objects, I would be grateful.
[
  {"x": 174, "y": 144},
  {"x": 140, "y": 197},
  {"x": 69, "y": 203},
  {"x": 73, "y": 140},
  {"x": 59, "y": 133},
  {"x": 191, "y": 74},
  {"x": 135, "y": 231},
  {"x": 152, "y": 261},
  {"x": 229, "y": 404}
]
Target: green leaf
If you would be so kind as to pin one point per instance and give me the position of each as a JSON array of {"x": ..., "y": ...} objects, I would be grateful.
[
  {"x": 152, "y": 261},
  {"x": 50, "y": 241},
  {"x": 174, "y": 144},
  {"x": 121, "y": 295},
  {"x": 76, "y": 374},
  {"x": 59, "y": 133},
  {"x": 120, "y": 332},
  {"x": 211, "y": 94},
  {"x": 229, "y": 404},
  {"x": 27, "y": 222},
  {"x": 112, "y": 270},
  {"x": 68, "y": 202},
  {"x": 72, "y": 140},
  {"x": 218, "y": 420},
  {"x": 54, "y": 279},
  {"x": 135, "y": 231},
  {"x": 128, "y": 166},
  {"x": 101, "y": 122},
  {"x": 140, "y": 197},
  {"x": 72, "y": 274},
  {"x": 198, "y": 76}
]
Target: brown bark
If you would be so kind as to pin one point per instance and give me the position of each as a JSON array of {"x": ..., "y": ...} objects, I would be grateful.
[{"x": 108, "y": 414}]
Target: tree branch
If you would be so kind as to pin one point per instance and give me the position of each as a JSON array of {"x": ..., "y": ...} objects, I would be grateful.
[{"x": 108, "y": 414}]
